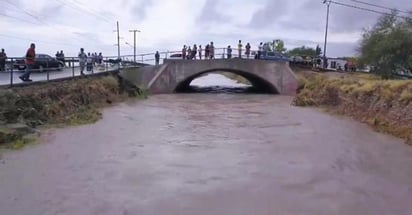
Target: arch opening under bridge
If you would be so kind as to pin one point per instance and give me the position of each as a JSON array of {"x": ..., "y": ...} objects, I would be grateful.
[{"x": 258, "y": 84}]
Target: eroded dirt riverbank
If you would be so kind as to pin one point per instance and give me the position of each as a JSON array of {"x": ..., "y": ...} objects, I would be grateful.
[
  {"x": 385, "y": 105},
  {"x": 210, "y": 154}
]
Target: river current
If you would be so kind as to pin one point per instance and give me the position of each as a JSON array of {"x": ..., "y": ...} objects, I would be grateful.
[{"x": 227, "y": 153}]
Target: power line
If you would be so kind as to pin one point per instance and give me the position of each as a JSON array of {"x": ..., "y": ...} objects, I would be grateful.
[
  {"x": 17, "y": 18},
  {"x": 379, "y": 6},
  {"x": 36, "y": 41},
  {"x": 38, "y": 18},
  {"x": 366, "y": 9},
  {"x": 75, "y": 6},
  {"x": 98, "y": 13},
  {"x": 78, "y": 9},
  {"x": 26, "y": 12}
]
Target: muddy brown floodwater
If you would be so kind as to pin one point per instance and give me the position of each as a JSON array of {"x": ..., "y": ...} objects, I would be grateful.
[{"x": 219, "y": 154}]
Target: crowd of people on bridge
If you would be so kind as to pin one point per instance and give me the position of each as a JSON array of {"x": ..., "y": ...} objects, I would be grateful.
[
  {"x": 90, "y": 60},
  {"x": 196, "y": 52},
  {"x": 87, "y": 61},
  {"x": 60, "y": 57},
  {"x": 191, "y": 53}
]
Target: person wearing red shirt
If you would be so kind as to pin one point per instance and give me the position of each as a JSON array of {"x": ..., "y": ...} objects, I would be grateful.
[{"x": 30, "y": 56}]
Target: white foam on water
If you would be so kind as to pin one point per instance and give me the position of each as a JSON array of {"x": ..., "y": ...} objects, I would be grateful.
[{"x": 216, "y": 80}]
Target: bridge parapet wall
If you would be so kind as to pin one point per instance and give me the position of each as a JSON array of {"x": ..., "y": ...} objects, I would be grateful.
[
  {"x": 167, "y": 77},
  {"x": 140, "y": 76}
]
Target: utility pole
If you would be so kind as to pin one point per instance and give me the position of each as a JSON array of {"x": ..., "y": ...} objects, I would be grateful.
[
  {"x": 118, "y": 41},
  {"x": 327, "y": 2},
  {"x": 134, "y": 35}
]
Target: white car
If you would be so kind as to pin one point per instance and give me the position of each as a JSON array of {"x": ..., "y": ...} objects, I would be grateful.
[{"x": 297, "y": 59}]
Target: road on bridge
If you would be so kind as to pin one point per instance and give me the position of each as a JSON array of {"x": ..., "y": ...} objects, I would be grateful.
[{"x": 37, "y": 76}]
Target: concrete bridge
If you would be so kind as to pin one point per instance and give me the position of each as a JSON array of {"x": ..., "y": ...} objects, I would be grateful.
[{"x": 175, "y": 75}]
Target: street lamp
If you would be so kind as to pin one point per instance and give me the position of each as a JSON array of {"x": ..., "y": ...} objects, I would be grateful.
[
  {"x": 129, "y": 44},
  {"x": 134, "y": 34},
  {"x": 327, "y": 2}
]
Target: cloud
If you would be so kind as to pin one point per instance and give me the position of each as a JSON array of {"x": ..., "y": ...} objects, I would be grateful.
[
  {"x": 140, "y": 9},
  {"x": 270, "y": 13},
  {"x": 351, "y": 19},
  {"x": 311, "y": 14},
  {"x": 51, "y": 11},
  {"x": 209, "y": 14},
  {"x": 168, "y": 24}
]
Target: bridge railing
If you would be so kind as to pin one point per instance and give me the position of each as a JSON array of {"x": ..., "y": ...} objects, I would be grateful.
[
  {"x": 220, "y": 53},
  {"x": 48, "y": 70}
]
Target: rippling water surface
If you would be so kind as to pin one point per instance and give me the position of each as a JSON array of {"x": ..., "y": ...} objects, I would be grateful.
[{"x": 210, "y": 154}]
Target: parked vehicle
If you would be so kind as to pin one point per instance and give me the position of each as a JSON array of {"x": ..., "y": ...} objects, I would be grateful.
[
  {"x": 114, "y": 61},
  {"x": 176, "y": 57},
  {"x": 297, "y": 60},
  {"x": 42, "y": 62},
  {"x": 273, "y": 56}
]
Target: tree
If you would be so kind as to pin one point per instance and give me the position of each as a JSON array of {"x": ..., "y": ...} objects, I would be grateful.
[
  {"x": 302, "y": 51},
  {"x": 275, "y": 46},
  {"x": 387, "y": 46},
  {"x": 280, "y": 46},
  {"x": 268, "y": 47}
]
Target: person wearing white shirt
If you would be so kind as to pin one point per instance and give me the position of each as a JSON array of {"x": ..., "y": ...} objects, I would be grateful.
[
  {"x": 82, "y": 60},
  {"x": 260, "y": 50}
]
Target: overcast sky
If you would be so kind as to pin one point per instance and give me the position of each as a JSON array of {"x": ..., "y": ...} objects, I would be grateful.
[{"x": 168, "y": 24}]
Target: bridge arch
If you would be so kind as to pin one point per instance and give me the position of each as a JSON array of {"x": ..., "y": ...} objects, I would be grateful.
[
  {"x": 173, "y": 75},
  {"x": 259, "y": 84}
]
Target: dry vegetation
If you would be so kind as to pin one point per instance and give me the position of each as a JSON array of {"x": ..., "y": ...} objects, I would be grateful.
[{"x": 386, "y": 105}]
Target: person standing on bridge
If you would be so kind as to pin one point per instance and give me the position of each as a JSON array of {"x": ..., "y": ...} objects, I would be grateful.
[
  {"x": 62, "y": 59},
  {"x": 30, "y": 57},
  {"x": 100, "y": 59},
  {"x": 212, "y": 50},
  {"x": 89, "y": 62},
  {"x": 207, "y": 51},
  {"x": 239, "y": 48},
  {"x": 200, "y": 52},
  {"x": 57, "y": 55},
  {"x": 189, "y": 53},
  {"x": 247, "y": 50},
  {"x": 82, "y": 60},
  {"x": 184, "y": 52},
  {"x": 3, "y": 58},
  {"x": 157, "y": 57},
  {"x": 95, "y": 59},
  {"x": 260, "y": 50},
  {"x": 229, "y": 52},
  {"x": 194, "y": 52}
]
